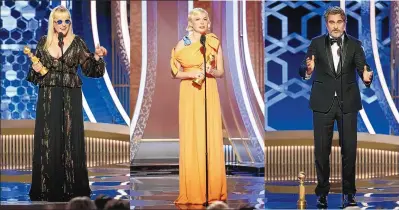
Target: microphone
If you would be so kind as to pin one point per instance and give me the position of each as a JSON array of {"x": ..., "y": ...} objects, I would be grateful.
[
  {"x": 339, "y": 42},
  {"x": 203, "y": 39},
  {"x": 60, "y": 39}
]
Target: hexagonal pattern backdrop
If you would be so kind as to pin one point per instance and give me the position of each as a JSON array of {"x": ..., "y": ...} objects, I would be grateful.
[
  {"x": 288, "y": 30},
  {"x": 21, "y": 22}
]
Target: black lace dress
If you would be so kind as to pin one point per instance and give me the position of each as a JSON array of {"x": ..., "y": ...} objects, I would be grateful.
[{"x": 59, "y": 170}]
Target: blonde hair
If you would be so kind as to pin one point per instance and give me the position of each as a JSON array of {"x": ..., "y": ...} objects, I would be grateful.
[
  {"x": 195, "y": 12},
  {"x": 57, "y": 12},
  {"x": 218, "y": 205}
]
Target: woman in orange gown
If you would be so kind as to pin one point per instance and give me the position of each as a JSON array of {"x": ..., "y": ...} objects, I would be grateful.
[{"x": 187, "y": 65}]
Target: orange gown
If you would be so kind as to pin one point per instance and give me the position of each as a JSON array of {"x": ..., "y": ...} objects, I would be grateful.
[{"x": 192, "y": 180}]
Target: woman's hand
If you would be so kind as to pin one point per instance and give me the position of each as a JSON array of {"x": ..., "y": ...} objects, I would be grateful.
[
  {"x": 37, "y": 66},
  {"x": 195, "y": 74},
  {"x": 210, "y": 70},
  {"x": 100, "y": 52}
]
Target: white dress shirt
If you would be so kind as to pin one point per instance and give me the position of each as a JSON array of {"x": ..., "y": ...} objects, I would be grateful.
[{"x": 334, "y": 51}]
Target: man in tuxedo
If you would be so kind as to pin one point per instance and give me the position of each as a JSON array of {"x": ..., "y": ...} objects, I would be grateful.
[{"x": 330, "y": 103}]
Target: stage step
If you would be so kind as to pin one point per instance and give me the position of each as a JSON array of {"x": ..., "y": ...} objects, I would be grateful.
[{"x": 173, "y": 169}]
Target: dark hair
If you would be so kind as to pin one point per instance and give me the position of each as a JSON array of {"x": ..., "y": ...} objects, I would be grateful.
[
  {"x": 247, "y": 207},
  {"x": 101, "y": 200},
  {"x": 117, "y": 205},
  {"x": 83, "y": 203},
  {"x": 334, "y": 11}
]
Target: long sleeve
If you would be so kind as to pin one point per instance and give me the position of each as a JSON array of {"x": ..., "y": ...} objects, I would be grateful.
[
  {"x": 360, "y": 62},
  {"x": 303, "y": 68},
  {"x": 33, "y": 76},
  {"x": 90, "y": 67}
]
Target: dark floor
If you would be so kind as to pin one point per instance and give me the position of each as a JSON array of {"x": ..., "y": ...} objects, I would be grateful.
[
  {"x": 15, "y": 186},
  {"x": 158, "y": 191}
]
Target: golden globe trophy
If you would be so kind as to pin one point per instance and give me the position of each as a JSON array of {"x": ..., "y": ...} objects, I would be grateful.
[
  {"x": 210, "y": 62},
  {"x": 301, "y": 204},
  {"x": 35, "y": 60}
]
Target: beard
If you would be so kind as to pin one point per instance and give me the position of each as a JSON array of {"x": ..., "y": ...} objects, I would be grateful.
[{"x": 336, "y": 34}]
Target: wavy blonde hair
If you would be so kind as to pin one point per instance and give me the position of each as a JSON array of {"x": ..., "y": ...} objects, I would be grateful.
[
  {"x": 195, "y": 12},
  {"x": 59, "y": 11}
]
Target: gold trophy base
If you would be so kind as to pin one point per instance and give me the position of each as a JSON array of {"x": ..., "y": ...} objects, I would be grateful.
[
  {"x": 199, "y": 81},
  {"x": 43, "y": 71},
  {"x": 301, "y": 204}
]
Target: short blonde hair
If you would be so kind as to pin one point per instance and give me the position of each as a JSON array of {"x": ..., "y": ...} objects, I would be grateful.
[{"x": 195, "y": 12}]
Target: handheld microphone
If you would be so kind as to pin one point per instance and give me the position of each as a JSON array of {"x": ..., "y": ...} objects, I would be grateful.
[{"x": 60, "y": 39}]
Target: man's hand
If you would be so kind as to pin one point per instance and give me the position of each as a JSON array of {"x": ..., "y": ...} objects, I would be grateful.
[
  {"x": 367, "y": 75},
  {"x": 310, "y": 65}
]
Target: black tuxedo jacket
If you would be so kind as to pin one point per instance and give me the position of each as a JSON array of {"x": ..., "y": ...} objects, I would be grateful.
[{"x": 327, "y": 82}]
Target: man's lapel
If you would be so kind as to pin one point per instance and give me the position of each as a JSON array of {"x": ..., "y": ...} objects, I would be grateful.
[{"x": 329, "y": 56}]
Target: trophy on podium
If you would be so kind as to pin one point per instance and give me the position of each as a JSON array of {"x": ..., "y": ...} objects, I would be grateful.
[
  {"x": 210, "y": 61},
  {"x": 35, "y": 60}
]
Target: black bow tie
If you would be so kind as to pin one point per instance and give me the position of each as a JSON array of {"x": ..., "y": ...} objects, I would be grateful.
[{"x": 332, "y": 41}]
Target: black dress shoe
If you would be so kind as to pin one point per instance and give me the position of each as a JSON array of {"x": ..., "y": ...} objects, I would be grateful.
[
  {"x": 349, "y": 200},
  {"x": 322, "y": 202}
]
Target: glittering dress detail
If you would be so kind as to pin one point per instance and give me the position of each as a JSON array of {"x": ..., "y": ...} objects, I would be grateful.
[{"x": 59, "y": 170}]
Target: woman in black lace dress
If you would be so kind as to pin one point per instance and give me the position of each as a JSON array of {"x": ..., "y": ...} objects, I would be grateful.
[{"x": 59, "y": 170}]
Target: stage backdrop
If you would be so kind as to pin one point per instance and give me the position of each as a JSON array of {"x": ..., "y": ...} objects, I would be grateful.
[
  {"x": 22, "y": 23},
  {"x": 155, "y": 29},
  {"x": 288, "y": 29}
]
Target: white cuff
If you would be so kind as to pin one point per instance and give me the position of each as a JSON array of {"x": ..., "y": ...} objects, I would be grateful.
[{"x": 307, "y": 76}]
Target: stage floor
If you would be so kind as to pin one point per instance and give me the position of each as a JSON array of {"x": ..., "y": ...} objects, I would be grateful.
[
  {"x": 159, "y": 192},
  {"x": 15, "y": 185},
  {"x": 377, "y": 193}
]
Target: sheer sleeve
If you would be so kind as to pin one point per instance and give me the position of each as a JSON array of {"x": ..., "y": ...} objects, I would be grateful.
[
  {"x": 90, "y": 67},
  {"x": 33, "y": 76}
]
